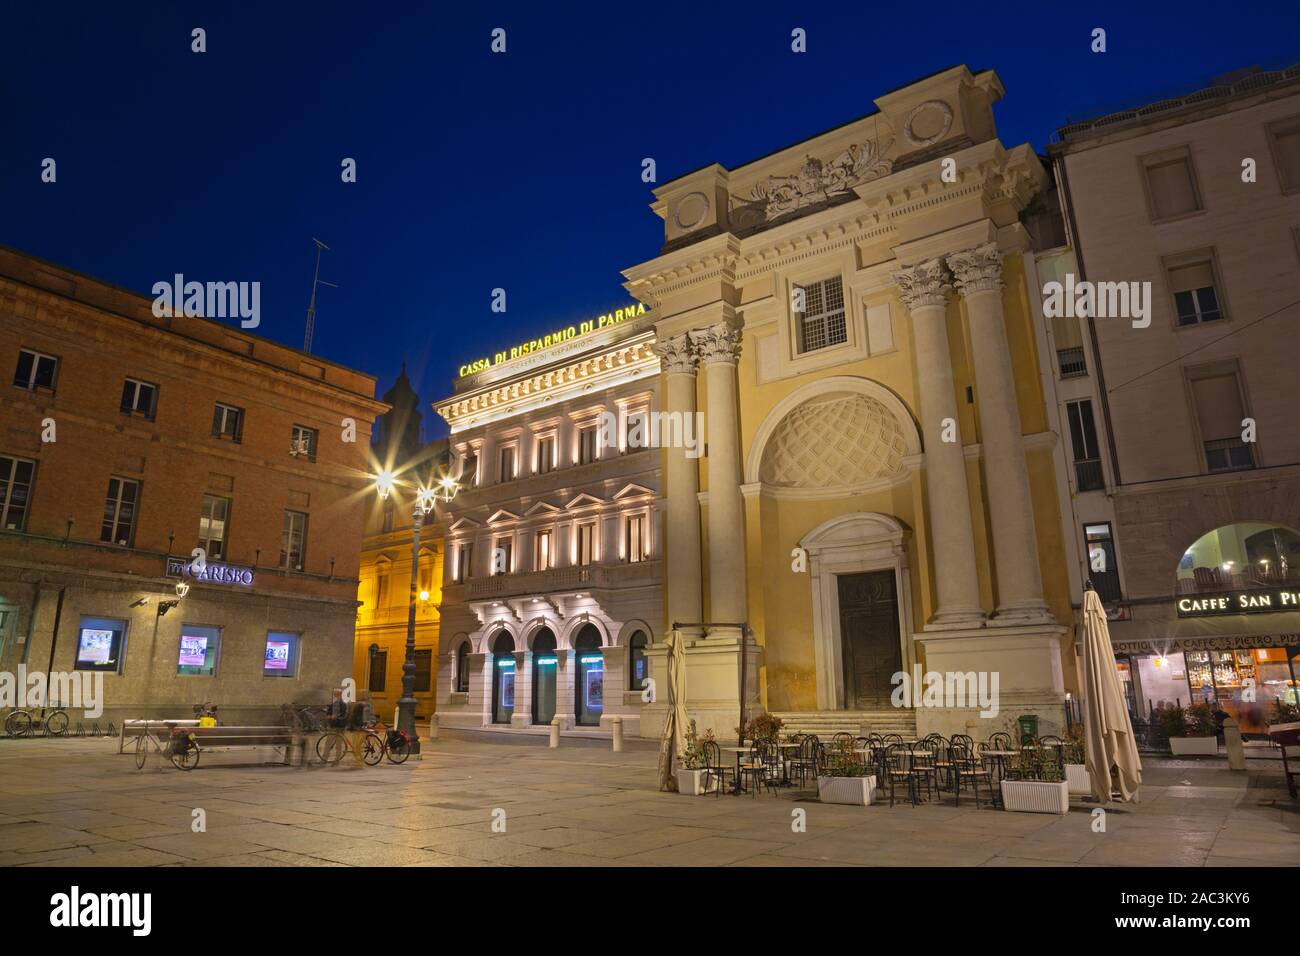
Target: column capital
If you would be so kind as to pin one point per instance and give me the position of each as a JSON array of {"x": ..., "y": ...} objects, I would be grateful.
[
  {"x": 718, "y": 344},
  {"x": 978, "y": 269},
  {"x": 677, "y": 355},
  {"x": 926, "y": 283}
]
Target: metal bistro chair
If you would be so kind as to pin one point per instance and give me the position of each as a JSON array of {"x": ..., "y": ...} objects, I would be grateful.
[
  {"x": 763, "y": 767},
  {"x": 841, "y": 739},
  {"x": 1001, "y": 741},
  {"x": 863, "y": 743},
  {"x": 898, "y": 769},
  {"x": 714, "y": 769},
  {"x": 1057, "y": 746},
  {"x": 942, "y": 759},
  {"x": 924, "y": 769},
  {"x": 877, "y": 756},
  {"x": 970, "y": 770},
  {"x": 806, "y": 762}
]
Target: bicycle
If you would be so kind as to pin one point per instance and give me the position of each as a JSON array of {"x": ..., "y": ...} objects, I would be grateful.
[
  {"x": 19, "y": 723},
  {"x": 333, "y": 744},
  {"x": 397, "y": 745},
  {"x": 182, "y": 749}
]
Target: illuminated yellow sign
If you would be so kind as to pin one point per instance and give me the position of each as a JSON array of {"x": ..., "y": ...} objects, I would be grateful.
[{"x": 554, "y": 338}]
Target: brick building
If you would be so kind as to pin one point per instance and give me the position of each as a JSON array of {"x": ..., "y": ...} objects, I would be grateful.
[{"x": 127, "y": 441}]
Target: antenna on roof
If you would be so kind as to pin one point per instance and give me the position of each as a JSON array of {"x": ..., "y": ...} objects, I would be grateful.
[{"x": 311, "y": 306}]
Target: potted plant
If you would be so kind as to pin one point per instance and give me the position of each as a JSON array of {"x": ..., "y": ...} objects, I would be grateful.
[
  {"x": 762, "y": 727},
  {"x": 845, "y": 779},
  {"x": 1034, "y": 784},
  {"x": 693, "y": 778},
  {"x": 1077, "y": 778},
  {"x": 1191, "y": 731}
]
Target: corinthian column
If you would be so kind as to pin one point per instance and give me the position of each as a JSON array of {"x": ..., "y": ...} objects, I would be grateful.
[
  {"x": 978, "y": 274},
  {"x": 719, "y": 348},
  {"x": 924, "y": 290},
  {"x": 682, "y": 567}
]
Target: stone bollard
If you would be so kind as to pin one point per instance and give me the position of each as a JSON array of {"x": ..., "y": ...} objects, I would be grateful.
[
  {"x": 555, "y": 732},
  {"x": 433, "y": 726},
  {"x": 617, "y": 724},
  {"x": 1232, "y": 742}
]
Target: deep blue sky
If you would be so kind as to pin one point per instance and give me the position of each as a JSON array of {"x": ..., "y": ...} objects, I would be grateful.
[{"x": 476, "y": 170}]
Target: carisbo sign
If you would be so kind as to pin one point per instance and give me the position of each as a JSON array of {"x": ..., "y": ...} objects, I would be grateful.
[
  {"x": 1253, "y": 601},
  {"x": 214, "y": 572}
]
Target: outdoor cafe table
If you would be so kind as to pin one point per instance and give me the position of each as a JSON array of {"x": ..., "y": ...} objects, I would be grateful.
[
  {"x": 999, "y": 756},
  {"x": 735, "y": 787}
]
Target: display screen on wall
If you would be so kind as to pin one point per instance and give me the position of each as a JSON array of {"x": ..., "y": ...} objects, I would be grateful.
[
  {"x": 99, "y": 644},
  {"x": 281, "y": 658},
  {"x": 507, "y": 687},
  {"x": 198, "y": 650},
  {"x": 595, "y": 687}
]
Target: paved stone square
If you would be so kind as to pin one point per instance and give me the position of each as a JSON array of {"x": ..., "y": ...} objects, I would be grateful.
[{"x": 77, "y": 803}]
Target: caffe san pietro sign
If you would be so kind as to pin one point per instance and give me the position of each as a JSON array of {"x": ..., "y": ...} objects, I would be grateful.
[
  {"x": 1254, "y": 601},
  {"x": 214, "y": 572}
]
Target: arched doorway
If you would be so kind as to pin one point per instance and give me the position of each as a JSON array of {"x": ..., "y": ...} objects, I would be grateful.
[
  {"x": 545, "y": 664},
  {"x": 503, "y": 679},
  {"x": 589, "y": 678}
]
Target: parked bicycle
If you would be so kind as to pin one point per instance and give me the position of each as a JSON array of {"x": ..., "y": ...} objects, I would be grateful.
[
  {"x": 21, "y": 723},
  {"x": 397, "y": 745},
  {"x": 309, "y": 719},
  {"x": 334, "y": 744},
  {"x": 182, "y": 748}
]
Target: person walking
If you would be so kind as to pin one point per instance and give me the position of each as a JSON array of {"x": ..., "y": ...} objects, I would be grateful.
[{"x": 356, "y": 728}]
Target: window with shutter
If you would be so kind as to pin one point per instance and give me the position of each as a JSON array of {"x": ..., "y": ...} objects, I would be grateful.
[
  {"x": 1171, "y": 188},
  {"x": 1286, "y": 152},
  {"x": 1219, "y": 412},
  {"x": 1196, "y": 299}
]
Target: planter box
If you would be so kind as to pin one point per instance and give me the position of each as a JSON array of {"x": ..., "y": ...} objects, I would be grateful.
[
  {"x": 691, "y": 783},
  {"x": 1077, "y": 779},
  {"x": 1194, "y": 746},
  {"x": 852, "y": 791},
  {"x": 1035, "y": 796}
]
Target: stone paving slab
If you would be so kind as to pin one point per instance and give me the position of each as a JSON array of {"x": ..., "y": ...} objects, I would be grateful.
[{"x": 77, "y": 803}]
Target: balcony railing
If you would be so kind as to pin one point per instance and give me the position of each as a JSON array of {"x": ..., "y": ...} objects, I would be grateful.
[
  {"x": 1088, "y": 474},
  {"x": 1106, "y": 584},
  {"x": 1071, "y": 362},
  {"x": 563, "y": 579}
]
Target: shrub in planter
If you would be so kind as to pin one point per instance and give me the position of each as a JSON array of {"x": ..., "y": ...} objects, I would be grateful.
[
  {"x": 692, "y": 777},
  {"x": 762, "y": 727},
  {"x": 843, "y": 778},
  {"x": 1077, "y": 778},
  {"x": 1034, "y": 784},
  {"x": 1190, "y": 731}
]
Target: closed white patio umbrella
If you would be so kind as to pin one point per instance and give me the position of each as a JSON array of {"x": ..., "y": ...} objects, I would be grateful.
[
  {"x": 1107, "y": 731},
  {"x": 673, "y": 742}
]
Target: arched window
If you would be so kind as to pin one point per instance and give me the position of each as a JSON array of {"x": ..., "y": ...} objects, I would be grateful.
[
  {"x": 462, "y": 668},
  {"x": 545, "y": 665},
  {"x": 1248, "y": 555},
  {"x": 378, "y": 669},
  {"x": 636, "y": 661},
  {"x": 503, "y": 678},
  {"x": 589, "y": 678}
]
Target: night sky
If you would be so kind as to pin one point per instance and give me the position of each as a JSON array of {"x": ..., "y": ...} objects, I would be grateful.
[{"x": 477, "y": 171}]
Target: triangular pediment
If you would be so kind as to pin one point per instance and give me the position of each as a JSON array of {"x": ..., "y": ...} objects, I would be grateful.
[
  {"x": 461, "y": 523},
  {"x": 582, "y": 501},
  {"x": 633, "y": 491},
  {"x": 542, "y": 507},
  {"x": 502, "y": 514}
]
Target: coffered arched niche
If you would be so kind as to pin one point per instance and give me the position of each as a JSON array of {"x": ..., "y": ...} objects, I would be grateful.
[
  {"x": 852, "y": 544},
  {"x": 840, "y": 435}
]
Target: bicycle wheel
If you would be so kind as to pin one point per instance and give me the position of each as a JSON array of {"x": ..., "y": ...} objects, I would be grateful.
[
  {"x": 399, "y": 750},
  {"x": 187, "y": 758},
  {"x": 330, "y": 748},
  {"x": 141, "y": 751},
  {"x": 57, "y": 724},
  {"x": 372, "y": 750},
  {"x": 18, "y": 724}
]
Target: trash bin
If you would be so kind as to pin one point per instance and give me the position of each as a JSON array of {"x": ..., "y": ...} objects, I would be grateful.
[{"x": 1028, "y": 725}]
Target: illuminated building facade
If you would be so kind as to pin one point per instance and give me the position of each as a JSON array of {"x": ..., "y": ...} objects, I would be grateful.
[
  {"x": 552, "y": 584},
  {"x": 852, "y": 315},
  {"x": 1183, "y": 440}
]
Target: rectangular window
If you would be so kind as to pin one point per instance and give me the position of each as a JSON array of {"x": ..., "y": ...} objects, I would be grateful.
[
  {"x": 542, "y": 558},
  {"x": 502, "y": 556},
  {"x": 587, "y": 445},
  {"x": 139, "y": 398},
  {"x": 381, "y": 587},
  {"x": 378, "y": 671},
  {"x": 465, "y": 561},
  {"x": 636, "y": 550},
  {"x": 302, "y": 442},
  {"x": 507, "y": 472},
  {"x": 469, "y": 471},
  {"x": 545, "y": 454},
  {"x": 212, "y": 526},
  {"x": 821, "y": 322},
  {"x": 1103, "y": 571},
  {"x": 293, "y": 541},
  {"x": 423, "y": 671},
  {"x": 228, "y": 422},
  {"x": 101, "y": 644},
  {"x": 1219, "y": 413},
  {"x": 36, "y": 370},
  {"x": 282, "y": 653},
  {"x": 119, "y": 511},
  {"x": 637, "y": 433},
  {"x": 198, "y": 651},
  {"x": 1083, "y": 440},
  {"x": 1196, "y": 299},
  {"x": 16, "y": 478},
  {"x": 1285, "y": 138},
  {"x": 1171, "y": 187},
  {"x": 586, "y": 543}
]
